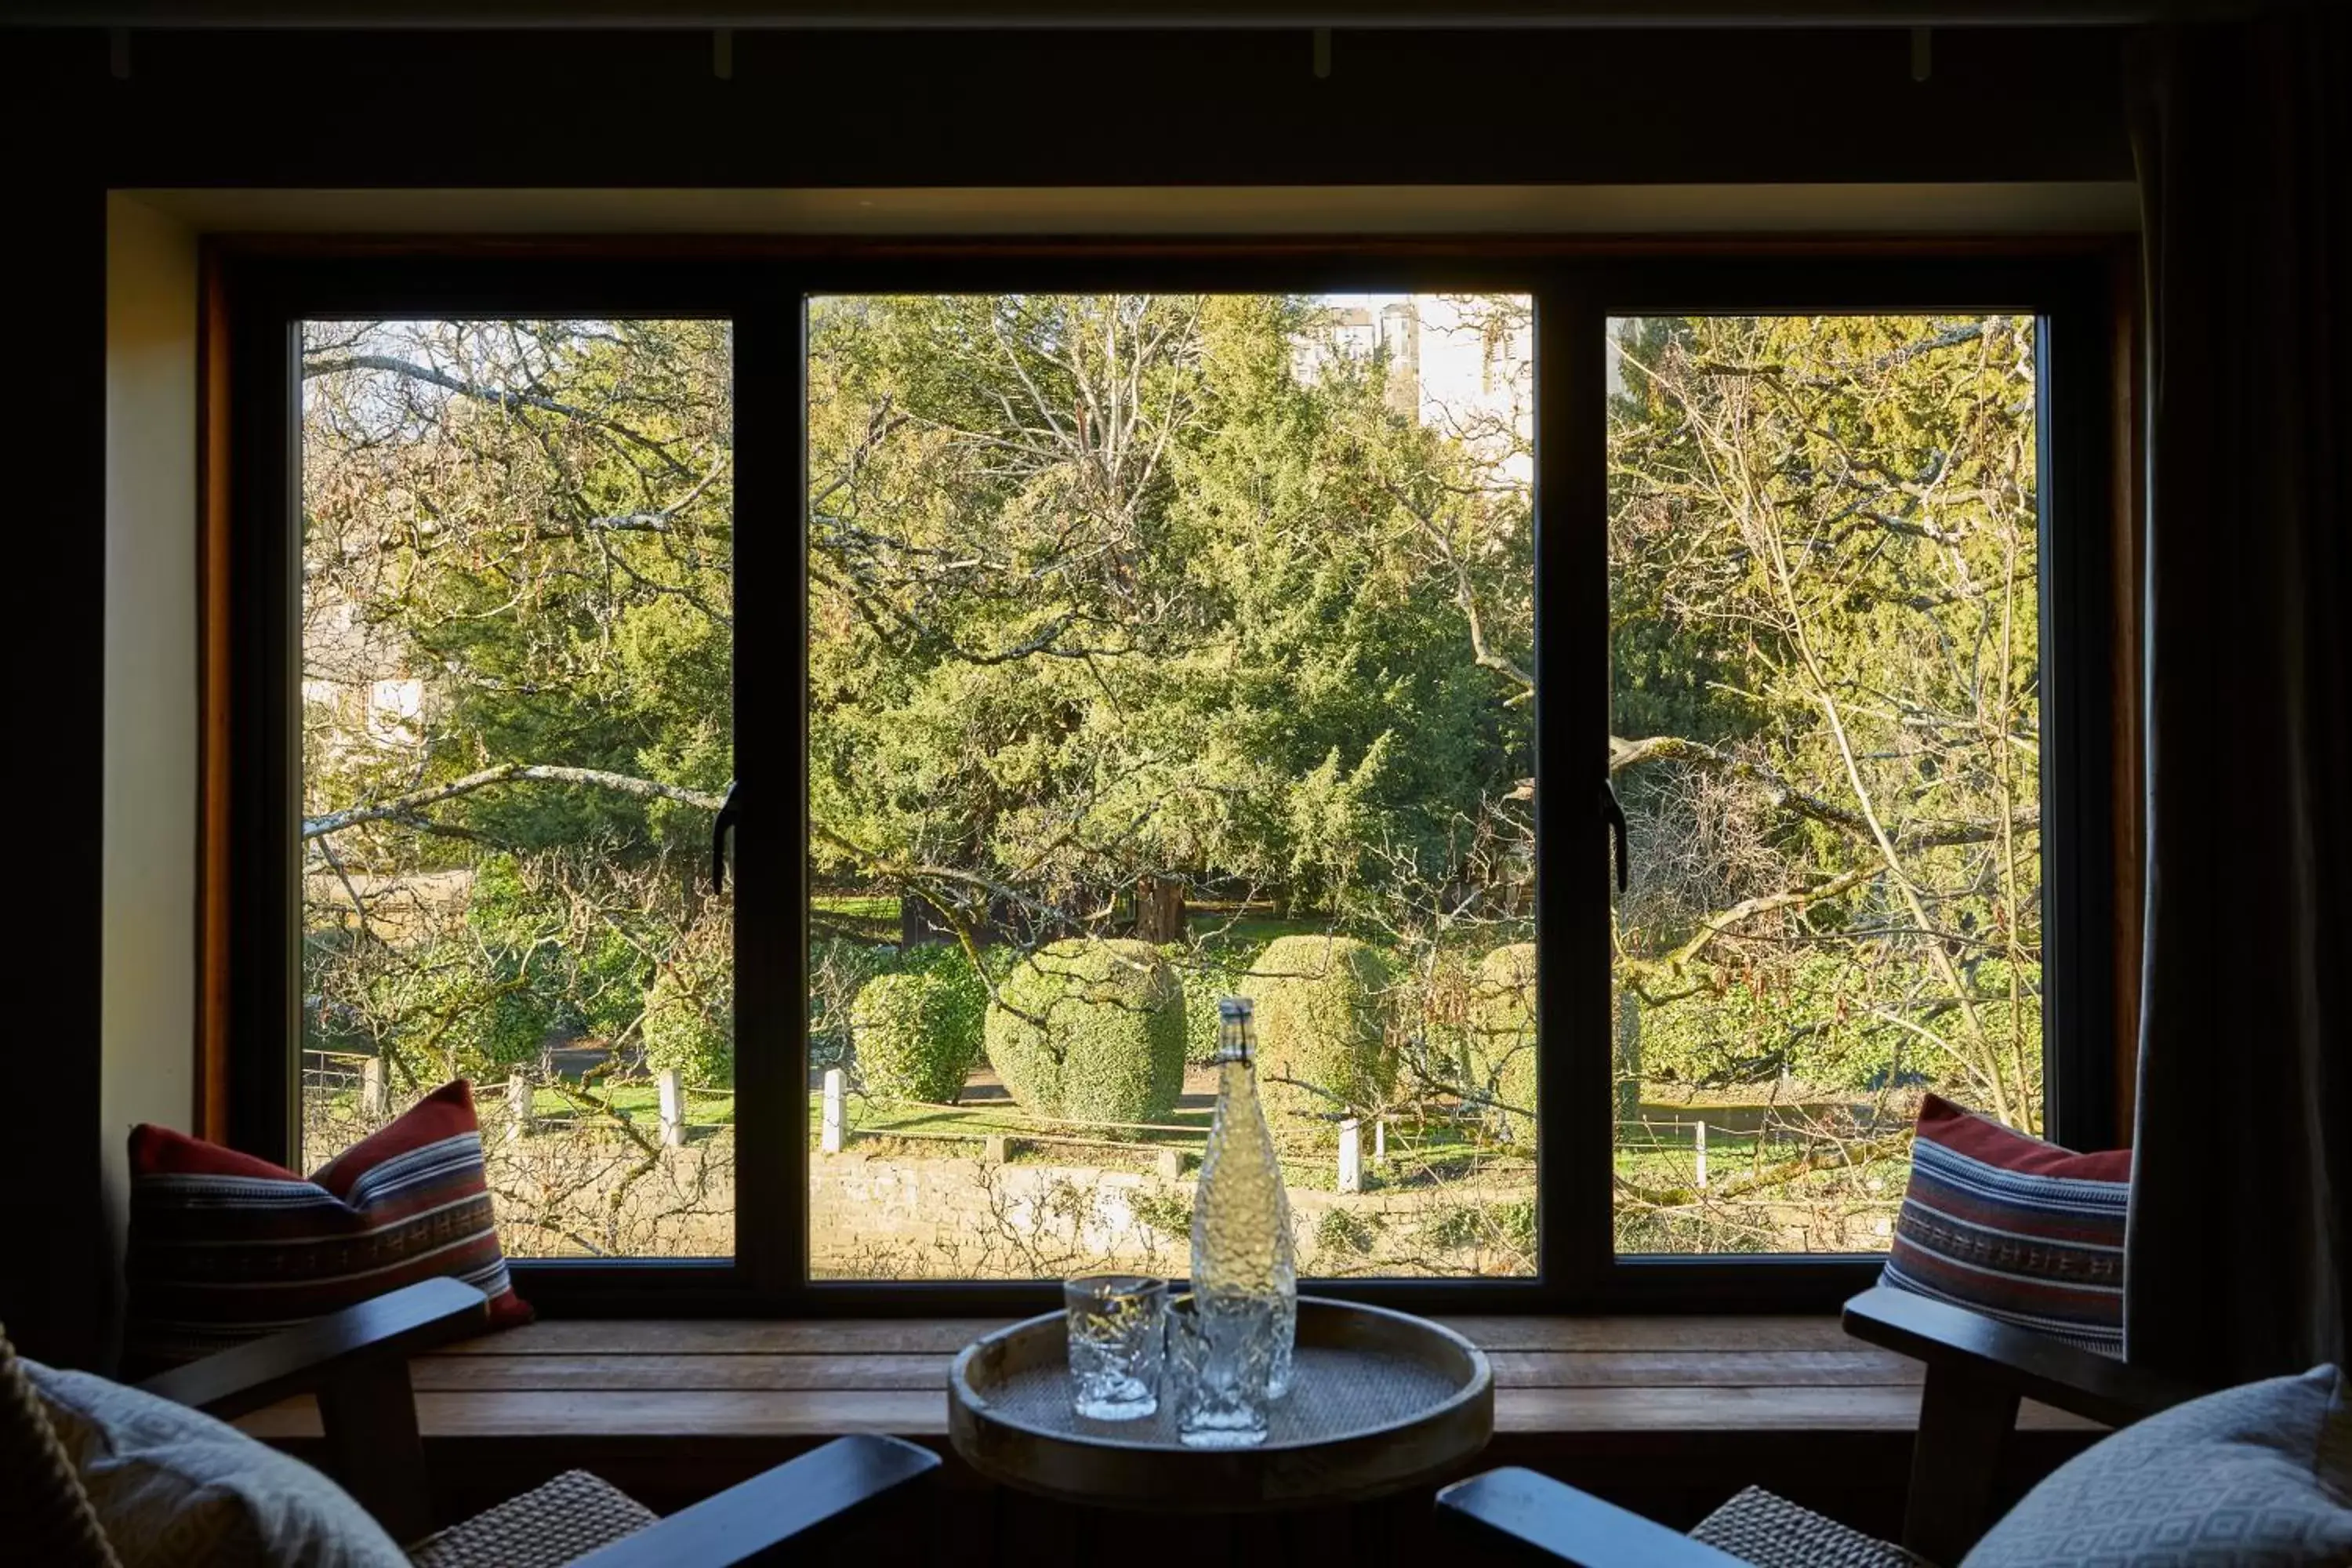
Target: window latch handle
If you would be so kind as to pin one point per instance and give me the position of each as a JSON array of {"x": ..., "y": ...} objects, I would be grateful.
[
  {"x": 730, "y": 812},
  {"x": 1613, "y": 813}
]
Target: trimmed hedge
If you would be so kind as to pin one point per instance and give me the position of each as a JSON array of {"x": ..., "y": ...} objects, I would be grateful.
[
  {"x": 915, "y": 1036},
  {"x": 1111, "y": 1044},
  {"x": 1502, "y": 1039},
  {"x": 1322, "y": 1019},
  {"x": 690, "y": 1019}
]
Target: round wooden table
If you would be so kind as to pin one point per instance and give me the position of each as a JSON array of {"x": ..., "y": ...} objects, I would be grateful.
[{"x": 1380, "y": 1401}]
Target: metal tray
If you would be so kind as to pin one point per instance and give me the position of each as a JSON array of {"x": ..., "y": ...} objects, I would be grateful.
[{"x": 1379, "y": 1401}]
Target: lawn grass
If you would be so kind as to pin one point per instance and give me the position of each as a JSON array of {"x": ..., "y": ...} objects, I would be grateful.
[
  {"x": 642, "y": 1101},
  {"x": 856, "y": 906},
  {"x": 1248, "y": 931}
]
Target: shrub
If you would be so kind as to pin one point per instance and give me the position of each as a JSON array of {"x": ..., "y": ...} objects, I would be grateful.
[
  {"x": 689, "y": 1023},
  {"x": 914, "y": 1037},
  {"x": 838, "y": 969},
  {"x": 1322, "y": 1011},
  {"x": 1502, "y": 1039},
  {"x": 1091, "y": 1031},
  {"x": 1342, "y": 1233}
]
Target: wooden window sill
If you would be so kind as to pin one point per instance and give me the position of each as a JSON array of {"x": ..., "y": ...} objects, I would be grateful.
[{"x": 1557, "y": 1379}]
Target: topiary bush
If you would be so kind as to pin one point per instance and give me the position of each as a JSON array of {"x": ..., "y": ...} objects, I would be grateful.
[
  {"x": 1322, "y": 1019},
  {"x": 690, "y": 1019},
  {"x": 914, "y": 1037},
  {"x": 1091, "y": 1031},
  {"x": 1501, "y": 1038}
]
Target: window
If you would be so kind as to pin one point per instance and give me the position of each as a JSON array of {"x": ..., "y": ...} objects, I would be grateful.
[
  {"x": 1162, "y": 647},
  {"x": 1125, "y": 633},
  {"x": 516, "y": 628}
]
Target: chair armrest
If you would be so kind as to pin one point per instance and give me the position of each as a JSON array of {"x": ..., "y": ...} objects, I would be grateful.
[
  {"x": 2035, "y": 1365},
  {"x": 386, "y": 1331},
  {"x": 759, "y": 1519},
  {"x": 1548, "y": 1520}
]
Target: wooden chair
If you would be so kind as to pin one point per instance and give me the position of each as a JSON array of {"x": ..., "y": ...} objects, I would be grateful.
[
  {"x": 355, "y": 1363},
  {"x": 1978, "y": 1371}
]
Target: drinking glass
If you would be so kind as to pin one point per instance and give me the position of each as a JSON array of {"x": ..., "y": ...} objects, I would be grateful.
[
  {"x": 1117, "y": 1340},
  {"x": 1221, "y": 1354}
]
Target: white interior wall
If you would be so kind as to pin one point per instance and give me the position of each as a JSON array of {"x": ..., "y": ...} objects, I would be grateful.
[{"x": 148, "y": 775}]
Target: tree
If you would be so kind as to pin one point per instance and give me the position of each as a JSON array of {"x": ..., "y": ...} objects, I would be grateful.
[{"x": 1823, "y": 560}]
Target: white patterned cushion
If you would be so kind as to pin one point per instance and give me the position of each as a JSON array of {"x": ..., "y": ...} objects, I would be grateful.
[
  {"x": 173, "y": 1486},
  {"x": 2255, "y": 1477}
]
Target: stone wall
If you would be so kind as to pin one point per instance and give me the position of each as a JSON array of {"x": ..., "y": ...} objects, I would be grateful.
[{"x": 883, "y": 1217}]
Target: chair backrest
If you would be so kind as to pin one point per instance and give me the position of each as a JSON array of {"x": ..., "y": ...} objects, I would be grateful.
[{"x": 48, "y": 1513}]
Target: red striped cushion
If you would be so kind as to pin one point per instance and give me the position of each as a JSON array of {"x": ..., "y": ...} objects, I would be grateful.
[
  {"x": 2015, "y": 1228},
  {"x": 224, "y": 1248}
]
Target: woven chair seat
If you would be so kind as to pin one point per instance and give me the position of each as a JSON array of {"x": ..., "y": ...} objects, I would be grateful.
[
  {"x": 547, "y": 1527},
  {"x": 1770, "y": 1531}
]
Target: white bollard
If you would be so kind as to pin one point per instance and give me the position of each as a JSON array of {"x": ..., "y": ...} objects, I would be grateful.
[
  {"x": 375, "y": 1088},
  {"x": 673, "y": 1107},
  {"x": 1381, "y": 1141},
  {"x": 830, "y": 1142},
  {"x": 1699, "y": 1159},
  {"x": 521, "y": 1102},
  {"x": 1351, "y": 1156}
]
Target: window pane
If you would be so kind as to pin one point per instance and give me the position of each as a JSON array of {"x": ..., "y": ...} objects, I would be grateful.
[
  {"x": 1164, "y": 648},
  {"x": 517, "y": 708},
  {"x": 1825, "y": 664}
]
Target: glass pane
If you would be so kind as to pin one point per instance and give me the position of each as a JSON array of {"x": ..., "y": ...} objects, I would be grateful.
[
  {"x": 1163, "y": 648},
  {"x": 517, "y": 710},
  {"x": 1825, "y": 667}
]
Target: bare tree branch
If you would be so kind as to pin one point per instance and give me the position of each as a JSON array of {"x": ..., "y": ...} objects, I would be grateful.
[{"x": 402, "y": 806}]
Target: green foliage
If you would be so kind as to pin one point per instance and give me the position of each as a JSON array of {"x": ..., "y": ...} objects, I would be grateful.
[
  {"x": 1167, "y": 1210},
  {"x": 689, "y": 1021},
  {"x": 1323, "y": 1007},
  {"x": 1200, "y": 647},
  {"x": 1824, "y": 643},
  {"x": 1208, "y": 977},
  {"x": 1091, "y": 1031},
  {"x": 917, "y": 1037},
  {"x": 1502, "y": 1053}
]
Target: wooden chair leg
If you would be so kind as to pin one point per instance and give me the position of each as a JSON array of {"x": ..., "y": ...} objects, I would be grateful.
[
  {"x": 1956, "y": 1462},
  {"x": 373, "y": 1450}
]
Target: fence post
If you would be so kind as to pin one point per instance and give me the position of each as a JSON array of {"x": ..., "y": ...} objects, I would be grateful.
[
  {"x": 673, "y": 1107},
  {"x": 519, "y": 1105},
  {"x": 1380, "y": 1141},
  {"x": 1699, "y": 1144},
  {"x": 1351, "y": 1156},
  {"x": 375, "y": 1095},
  {"x": 831, "y": 1140}
]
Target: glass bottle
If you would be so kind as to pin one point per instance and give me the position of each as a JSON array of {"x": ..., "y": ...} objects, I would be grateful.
[{"x": 1243, "y": 1253}]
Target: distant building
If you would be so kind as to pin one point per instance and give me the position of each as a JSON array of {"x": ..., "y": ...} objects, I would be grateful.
[
  {"x": 1463, "y": 364},
  {"x": 356, "y": 686}
]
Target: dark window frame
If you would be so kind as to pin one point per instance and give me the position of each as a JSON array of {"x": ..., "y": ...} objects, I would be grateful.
[{"x": 258, "y": 291}]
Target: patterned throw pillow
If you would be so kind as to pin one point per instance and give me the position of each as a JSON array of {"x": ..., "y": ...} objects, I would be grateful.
[
  {"x": 175, "y": 1489},
  {"x": 2252, "y": 1476},
  {"x": 2014, "y": 1228},
  {"x": 224, "y": 1248}
]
